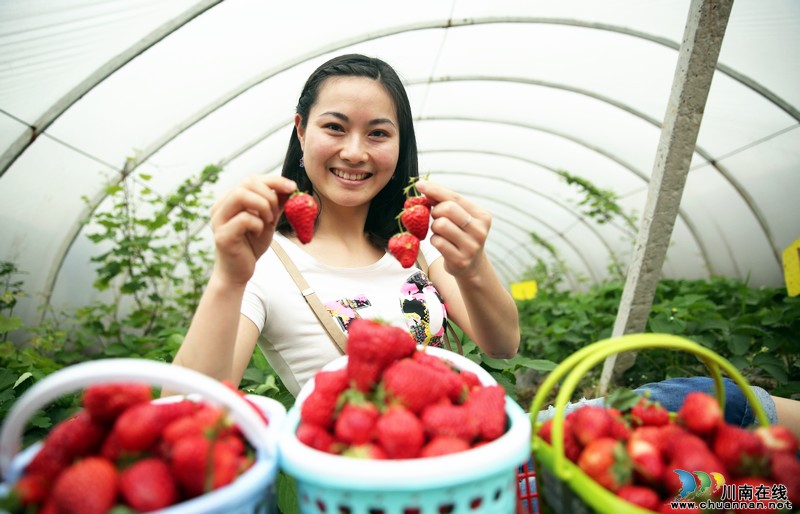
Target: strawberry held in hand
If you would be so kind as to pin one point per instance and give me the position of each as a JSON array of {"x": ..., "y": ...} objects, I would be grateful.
[
  {"x": 415, "y": 218},
  {"x": 405, "y": 248},
  {"x": 301, "y": 211}
]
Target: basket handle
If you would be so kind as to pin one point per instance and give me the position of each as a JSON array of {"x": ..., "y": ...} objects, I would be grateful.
[
  {"x": 173, "y": 377},
  {"x": 579, "y": 363}
]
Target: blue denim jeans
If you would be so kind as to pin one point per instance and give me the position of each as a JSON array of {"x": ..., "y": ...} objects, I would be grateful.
[{"x": 671, "y": 393}]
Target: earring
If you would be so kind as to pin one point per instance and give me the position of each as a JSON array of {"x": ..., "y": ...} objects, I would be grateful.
[{"x": 302, "y": 164}]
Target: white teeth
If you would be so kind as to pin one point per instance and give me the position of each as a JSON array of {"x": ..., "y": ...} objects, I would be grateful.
[{"x": 350, "y": 176}]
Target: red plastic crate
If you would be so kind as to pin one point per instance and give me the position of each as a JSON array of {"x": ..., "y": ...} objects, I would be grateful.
[{"x": 527, "y": 494}]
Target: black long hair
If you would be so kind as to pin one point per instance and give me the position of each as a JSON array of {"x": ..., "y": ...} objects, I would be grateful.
[{"x": 387, "y": 204}]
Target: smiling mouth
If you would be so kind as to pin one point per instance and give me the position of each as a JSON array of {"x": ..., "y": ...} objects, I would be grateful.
[{"x": 349, "y": 175}]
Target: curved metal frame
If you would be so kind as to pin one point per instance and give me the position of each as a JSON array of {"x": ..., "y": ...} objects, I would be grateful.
[{"x": 111, "y": 66}]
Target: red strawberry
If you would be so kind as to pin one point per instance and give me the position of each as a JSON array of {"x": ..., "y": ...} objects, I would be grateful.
[
  {"x": 457, "y": 387},
  {"x": 355, "y": 424},
  {"x": 139, "y": 428},
  {"x": 785, "y": 470},
  {"x": 72, "y": 438},
  {"x": 400, "y": 433},
  {"x": 572, "y": 448},
  {"x": 640, "y": 495},
  {"x": 413, "y": 384},
  {"x": 688, "y": 458},
  {"x": 606, "y": 462},
  {"x": 488, "y": 406},
  {"x": 366, "y": 451},
  {"x": 591, "y": 422},
  {"x": 31, "y": 490},
  {"x": 444, "y": 445},
  {"x": 620, "y": 429},
  {"x": 301, "y": 212},
  {"x": 416, "y": 200},
  {"x": 416, "y": 219},
  {"x": 777, "y": 438},
  {"x": 469, "y": 379},
  {"x": 673, "y": 438},
  {"x": 445, "y": 419},
  {"x": 546, "y": 430},
  {"x": 89, "y": 486},
  {"x": 373, "y": 345},
  {"x": 49, "y": 507},
  {"x": 200, "y": 465},
  {"x": 652, "y": 435},
  {"x": 207, "y": 420},
  {"x": 740, "y": 450},
  {"x": 105, "y": 402},
  {"x": 320, "y": 405},
  {"x": 647, "y": 461},
  {"x": 111, "y": 449},
  {"x": 649, "y": 413},
  {"x": 405, "y": 248},
  {"x": 316, "y": 437},
  {"x": 148, "y": 485},
  {"x": 701, "y": 413}
]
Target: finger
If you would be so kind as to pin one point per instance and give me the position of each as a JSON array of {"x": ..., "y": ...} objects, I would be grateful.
[
  {"x": 261, "y": 195},
  {"x": 237, "y": 228}
]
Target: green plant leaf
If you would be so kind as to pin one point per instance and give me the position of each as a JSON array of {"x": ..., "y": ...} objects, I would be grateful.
[
  {"x": 772, "y": 365},
  {"x": 9, "y": 323},
  {"x": 739, "y": 344},
  {"x": 536, "y": 364}
]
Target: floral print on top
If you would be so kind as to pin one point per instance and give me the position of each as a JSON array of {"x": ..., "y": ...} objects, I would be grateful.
[
  {"x": 424, "y": 310},
  {"x": 421, "y": 304}
]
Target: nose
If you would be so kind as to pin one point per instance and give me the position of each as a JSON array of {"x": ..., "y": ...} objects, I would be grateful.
[{"x": 353, "y": 149}]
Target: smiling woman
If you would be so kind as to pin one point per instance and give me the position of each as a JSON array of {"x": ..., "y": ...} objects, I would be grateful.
[{"x": 354, "y": 149}]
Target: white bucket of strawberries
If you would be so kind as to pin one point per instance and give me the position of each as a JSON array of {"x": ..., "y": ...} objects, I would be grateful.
[
  {"x": 209, "y": 448},
  {"x": 396, "y": 427}
]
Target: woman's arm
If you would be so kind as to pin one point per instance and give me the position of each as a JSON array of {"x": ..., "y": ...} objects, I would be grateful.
[
  {"x": 220, "y": 341},
  {"x": 475, "y": 298}
]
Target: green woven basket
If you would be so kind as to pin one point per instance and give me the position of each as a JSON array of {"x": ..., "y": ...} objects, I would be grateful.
[{"x": 563, "y": 487}]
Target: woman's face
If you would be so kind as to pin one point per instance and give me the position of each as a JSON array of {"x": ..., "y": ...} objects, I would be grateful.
[{"x": 351, "y": 141}]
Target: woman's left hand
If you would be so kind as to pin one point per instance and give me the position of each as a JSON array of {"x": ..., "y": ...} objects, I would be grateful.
[{"x": 459, "y": 228}]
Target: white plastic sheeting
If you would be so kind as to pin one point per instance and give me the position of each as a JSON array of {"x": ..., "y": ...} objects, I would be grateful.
[{"x": 505, "y": 93}]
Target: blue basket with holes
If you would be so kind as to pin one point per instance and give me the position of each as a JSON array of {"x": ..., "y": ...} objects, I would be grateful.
[{"x": 482, "y": 480}]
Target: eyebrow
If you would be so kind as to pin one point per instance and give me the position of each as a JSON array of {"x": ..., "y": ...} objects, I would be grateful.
[{"x": 343, "y": 117}]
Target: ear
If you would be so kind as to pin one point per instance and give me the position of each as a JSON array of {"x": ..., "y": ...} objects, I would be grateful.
[{"x": 301, "y": 132}]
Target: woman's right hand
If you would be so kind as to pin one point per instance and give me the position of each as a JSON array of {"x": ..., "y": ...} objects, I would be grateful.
[{"x": 243, "y": 221}]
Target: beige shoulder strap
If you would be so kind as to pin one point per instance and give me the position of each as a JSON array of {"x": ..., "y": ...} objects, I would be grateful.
[{"x": 313, "y": 301}]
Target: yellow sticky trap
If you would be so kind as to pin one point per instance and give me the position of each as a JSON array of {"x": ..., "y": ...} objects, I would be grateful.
[
  {"x": 525, "y": 290},
  {"x": 791, "y": 268}
]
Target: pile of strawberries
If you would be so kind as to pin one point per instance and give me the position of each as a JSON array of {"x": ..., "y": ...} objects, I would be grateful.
[
  {"x": 123, "y": 449},
  {"x": 415, "y": 218},
  {"x": 395, "y": 401},
  {"x": 635, "y": 453}
]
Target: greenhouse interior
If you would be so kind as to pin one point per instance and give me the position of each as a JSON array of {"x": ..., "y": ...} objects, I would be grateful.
[{"x": 626, "y": 168}]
